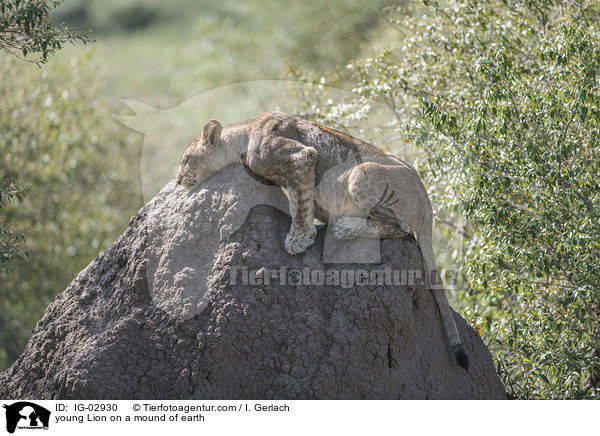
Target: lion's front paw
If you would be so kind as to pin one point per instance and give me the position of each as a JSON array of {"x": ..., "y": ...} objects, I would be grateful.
[{"x": 298, "y": 240}]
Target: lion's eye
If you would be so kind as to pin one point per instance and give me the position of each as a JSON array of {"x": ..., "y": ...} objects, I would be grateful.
[{"x": 186, "y": 160}]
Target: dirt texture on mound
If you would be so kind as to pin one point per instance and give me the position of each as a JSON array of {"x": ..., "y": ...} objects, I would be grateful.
[{"x": 173, "y": 310}]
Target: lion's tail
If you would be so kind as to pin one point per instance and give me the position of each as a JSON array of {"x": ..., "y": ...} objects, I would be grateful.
[{"x": 434, "y": 283}]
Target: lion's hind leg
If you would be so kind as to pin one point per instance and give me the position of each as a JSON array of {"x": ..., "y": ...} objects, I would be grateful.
[
  {"x": 379, "y": 202},
  {"x": 352, "y": 227}
]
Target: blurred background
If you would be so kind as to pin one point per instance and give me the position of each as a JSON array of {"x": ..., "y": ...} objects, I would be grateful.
[{"x": 495, "y": 102}]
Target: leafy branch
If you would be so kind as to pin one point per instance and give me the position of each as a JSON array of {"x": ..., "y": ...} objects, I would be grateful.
[{"x": 27, "y": 28}]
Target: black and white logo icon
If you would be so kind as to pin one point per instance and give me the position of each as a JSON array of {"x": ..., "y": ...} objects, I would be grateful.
[{"x": 26, "y": 415}]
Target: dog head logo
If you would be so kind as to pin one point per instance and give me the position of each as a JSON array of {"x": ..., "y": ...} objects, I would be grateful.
[
  {"x": 26, "y": 415},
  {"x": 181, "y": 289},
  {"x": 168, "y": 131}
]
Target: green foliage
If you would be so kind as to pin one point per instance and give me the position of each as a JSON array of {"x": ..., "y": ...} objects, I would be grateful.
[
  {"x": 502, "y": 98},
  {"x": 10, "y": 243},
  {"x": 26, "y": 27},
  {"x": 80, "y": 167}
]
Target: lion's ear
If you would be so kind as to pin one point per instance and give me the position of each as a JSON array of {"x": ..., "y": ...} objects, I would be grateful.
[{"x": 212, "y": 132}]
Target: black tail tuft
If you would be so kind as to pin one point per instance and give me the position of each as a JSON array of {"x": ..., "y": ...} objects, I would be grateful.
[{"x": 461, "y": 355}]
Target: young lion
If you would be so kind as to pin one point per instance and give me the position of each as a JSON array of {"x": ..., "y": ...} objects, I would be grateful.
[{"x": 329, "y": 175}]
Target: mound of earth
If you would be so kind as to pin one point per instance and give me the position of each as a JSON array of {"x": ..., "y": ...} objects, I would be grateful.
[{"x": 174, "y": 310}]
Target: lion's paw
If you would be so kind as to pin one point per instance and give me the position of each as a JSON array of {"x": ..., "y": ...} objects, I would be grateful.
[
  {"x": 298, "y": 240},
  {"x": 347, "y": 227}
]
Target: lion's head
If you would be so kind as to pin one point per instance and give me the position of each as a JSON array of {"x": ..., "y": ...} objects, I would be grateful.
[{"x": 196, "y": 164}]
